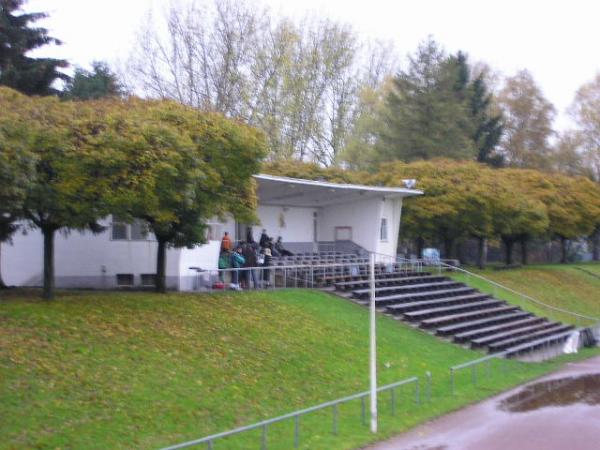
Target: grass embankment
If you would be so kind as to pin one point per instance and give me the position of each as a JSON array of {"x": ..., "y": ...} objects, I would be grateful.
[
  {"x": 574, "y": 287},
  {"x": 139, "y": 370}
]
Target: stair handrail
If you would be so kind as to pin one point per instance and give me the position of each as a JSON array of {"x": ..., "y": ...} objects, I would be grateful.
[{"x": 525, "y": 296}]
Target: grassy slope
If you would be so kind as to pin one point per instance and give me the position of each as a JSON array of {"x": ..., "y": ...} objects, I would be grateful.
[
  {"x": 139, "y": 370},
  {"x": 571, "y": 287}
]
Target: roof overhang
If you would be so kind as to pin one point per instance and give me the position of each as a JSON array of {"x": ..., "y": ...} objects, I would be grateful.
[{"x": 295, "y": 192}]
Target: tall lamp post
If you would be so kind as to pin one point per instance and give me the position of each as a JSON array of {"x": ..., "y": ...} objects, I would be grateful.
[{"x": 373, "y": 348}]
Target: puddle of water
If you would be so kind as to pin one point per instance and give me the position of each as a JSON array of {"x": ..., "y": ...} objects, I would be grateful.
[{"x": 559, "y": 392}]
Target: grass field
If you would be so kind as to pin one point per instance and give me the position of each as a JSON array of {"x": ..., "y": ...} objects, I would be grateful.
[
  {"x": 574, "y": 287},
  {"x": 140, "y": 370}
]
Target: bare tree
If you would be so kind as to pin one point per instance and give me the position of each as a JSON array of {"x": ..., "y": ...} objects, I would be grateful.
[
  {"x": 585, "y": 110},
  {"x": 528, "y": 117},
  {"x": 297, "y": 81}
]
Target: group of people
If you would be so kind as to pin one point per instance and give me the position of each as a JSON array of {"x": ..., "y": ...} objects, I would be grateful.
[{"x": 248, "y": 256}]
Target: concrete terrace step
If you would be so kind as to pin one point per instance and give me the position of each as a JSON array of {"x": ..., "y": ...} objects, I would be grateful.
[
  {"x": 410, "y": 306},
  {"x": 513, "y": 333},
  {"x": 558, "y": 337},
  {"x": 433, "y": 294},
  {"x": 509, "y": 325},
  {"x": 514, "y": 341},
  {"x": 405, "y": 287},
  {"x": 475, "y": 325},
  {"x": 362, "y": 276},
  {"x": 466, "y": 307},
  {"x": 453, "y": 318},
  {"x": 348, "y": 285}
]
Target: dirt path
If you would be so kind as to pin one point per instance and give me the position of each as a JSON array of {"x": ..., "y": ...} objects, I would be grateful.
[{"x": 559, "y": 411}]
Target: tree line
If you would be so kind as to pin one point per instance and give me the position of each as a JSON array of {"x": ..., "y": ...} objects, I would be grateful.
[
  {"x": 317, "y": 93},
  {"x": 469, "y": 200},
  {"x": 66, "y": 165},
  {"x": 322, "y": 93}
]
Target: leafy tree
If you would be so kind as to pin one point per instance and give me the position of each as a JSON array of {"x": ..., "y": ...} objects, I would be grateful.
[
  {"x": 16, "y": 166},
  {"x": 528, "y": 120},
  {"x": 64, "y": 191},
  {"x": 571, "y": 203},
  {"x": 32, "y": 76},
  {"x": 190, "y": 167},
  {"x": 99, "y": 82},
  {"x": 455, "y": 206},
  {"x": 424, "y": 118}
]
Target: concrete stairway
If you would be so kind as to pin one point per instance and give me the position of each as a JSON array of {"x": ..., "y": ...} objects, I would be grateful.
[{"x": 455, "y": 311}]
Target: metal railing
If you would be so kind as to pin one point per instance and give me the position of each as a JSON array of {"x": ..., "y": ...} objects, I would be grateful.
[
  {"x": 296, "y": 415},
  {"x": 580, "y": 319},
  {"x": 544, "y": 348},
  {"x": 302, "y": 275}
]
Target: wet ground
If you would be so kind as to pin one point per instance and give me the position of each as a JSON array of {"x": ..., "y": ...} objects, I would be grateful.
[{"x": 559, "y": 411}]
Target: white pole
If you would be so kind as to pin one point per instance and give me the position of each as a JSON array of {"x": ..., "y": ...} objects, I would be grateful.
[{"x": 373, "y": 348}]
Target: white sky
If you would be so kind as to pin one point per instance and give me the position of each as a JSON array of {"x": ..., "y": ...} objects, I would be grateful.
[{"x": 556, "y": 40}]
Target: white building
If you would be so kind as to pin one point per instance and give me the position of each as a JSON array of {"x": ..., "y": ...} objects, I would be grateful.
[{"x": 308, "y": 215}]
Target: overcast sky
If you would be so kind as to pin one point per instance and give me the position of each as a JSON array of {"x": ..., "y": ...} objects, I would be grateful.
[{"x": 556, "y": 40}]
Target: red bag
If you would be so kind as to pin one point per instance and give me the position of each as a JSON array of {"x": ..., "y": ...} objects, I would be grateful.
[{"x": 218, "y": 285}]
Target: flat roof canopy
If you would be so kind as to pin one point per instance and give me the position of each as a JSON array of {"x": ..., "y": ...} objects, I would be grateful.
[{"x": 283, "y": 191}]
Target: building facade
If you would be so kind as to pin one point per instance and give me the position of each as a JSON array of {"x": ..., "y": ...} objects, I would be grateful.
[{"x": 308, "y": 215}]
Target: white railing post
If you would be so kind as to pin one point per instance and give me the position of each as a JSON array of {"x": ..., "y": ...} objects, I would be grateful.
[{"x": 373, "y": 349}]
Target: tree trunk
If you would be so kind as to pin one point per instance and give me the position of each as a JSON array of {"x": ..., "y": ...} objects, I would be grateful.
[
  {"x": 508, "y": 249},
  {"x": 48, "y": 291},
  {"x": 524, "y": 254},
  {"x": 563, "y": 250},
  {"x": 596, "y": 245},
  {"x": 161, "y": 266},
  {"x": 459, "y": 253},
  {"x": 481, "y": 252},
  {"x": 448, "y": 244},
  {"x": 2, "y": 285},
  {"x": 420, "y": 246}
]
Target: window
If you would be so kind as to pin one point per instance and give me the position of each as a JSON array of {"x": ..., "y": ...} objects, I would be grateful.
[
  {"x": 119, "y": 230},
  {"x": 343, "y": 233},
  {"x": 124, "y": 279},
  {"x": 383, "y": 230},
  {"x": 136, "y": 231},
  {"x": 139, "y": 230},
  {"x": 148, "y": 279}
]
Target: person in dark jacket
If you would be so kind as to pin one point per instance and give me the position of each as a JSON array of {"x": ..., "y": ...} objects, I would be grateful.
[
  {"x": 264, "y": 239},
  {"x": 249, "y": 255},
  {"x": 249, "y": 236},
  {"x": 237, "y": 261},
  {"x": 266, "y": 264},
  {"x": 279, "y": 247}
]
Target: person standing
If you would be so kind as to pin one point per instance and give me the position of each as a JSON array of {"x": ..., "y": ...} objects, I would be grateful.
[
  {"x": 249, "y": 236},
  {"x": 249, "y": 254},
  {"x": 264, "y": 239},
  {"x": 266, "y": 264},
  {"x": 237, "y": 261},
  {"x": 226, "y": 242}
]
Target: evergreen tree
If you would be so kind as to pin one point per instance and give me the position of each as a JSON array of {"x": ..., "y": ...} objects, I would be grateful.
[
  {"x": 32, "y": 76},
  {"x": 99, "y": 82},
  {"x": 487, "y": 127},
  {"x": 424, "y": 117}
]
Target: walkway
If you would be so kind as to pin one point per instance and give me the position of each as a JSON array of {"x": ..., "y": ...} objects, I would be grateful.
[{"x": 559, "y": 411}]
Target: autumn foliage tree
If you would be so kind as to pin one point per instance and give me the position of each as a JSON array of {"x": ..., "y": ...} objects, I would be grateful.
[
  {"x": 189, "y": 167},
  {"x": 16, "y": 167}
]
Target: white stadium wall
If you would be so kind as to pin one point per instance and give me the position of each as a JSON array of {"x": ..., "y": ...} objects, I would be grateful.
[
  {"x": 84, "y": 260},
  {"x": 392, "y": 212},
  {"x": 362, "y": 216},
  {"x": 292, "y": 224}
]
